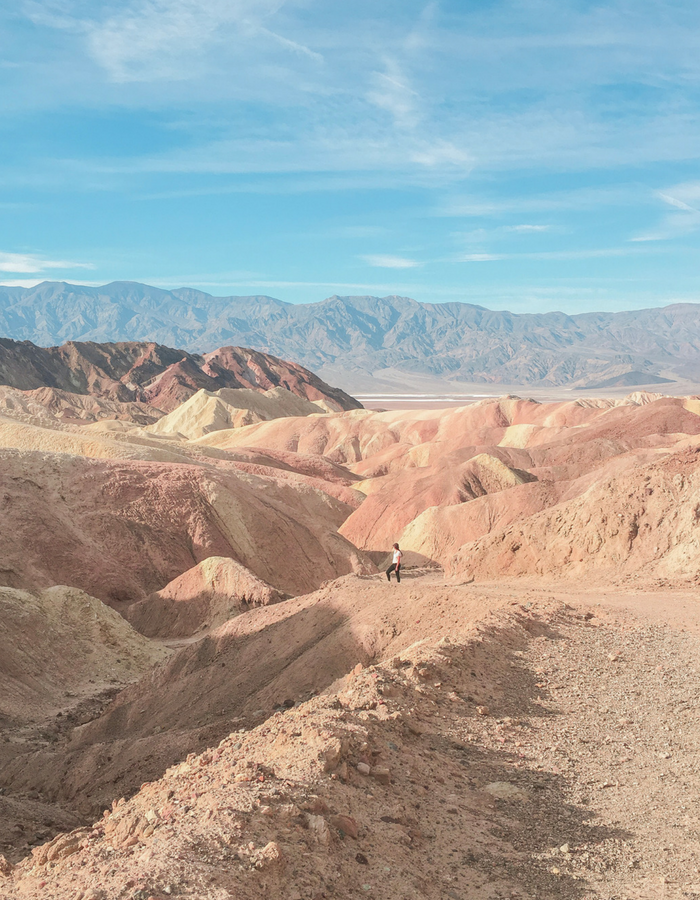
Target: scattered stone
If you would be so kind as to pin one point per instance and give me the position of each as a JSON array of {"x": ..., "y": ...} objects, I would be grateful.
[
  {"x": 332, "y": 755},
  {"x": 268, "y": 856},
  {"x": 346, "y": 824},
  {"x": 482, "y": 710},
  {"x": 381, "y": 774},
  {"x": 504, "y": 790},
  {"x": 363, "y": 768},
  {"x": 319, "y": 826},
  {"x": 362, "y": 859}
]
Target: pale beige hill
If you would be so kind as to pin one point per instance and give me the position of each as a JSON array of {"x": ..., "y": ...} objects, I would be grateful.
[
  {"x": 120, "y": 440},
  {"x": 46, "y": 404},
  {"x": 208, "y": 411},
  {"x": 123, "y": 529},
  {"x": 59, "y": 644},
  {"x": 205, "y": 596},
  {"x": 643, "y": 521},
  {"x": 97, "y": 443}
]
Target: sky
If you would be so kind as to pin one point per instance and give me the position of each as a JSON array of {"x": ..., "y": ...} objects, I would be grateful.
[{"x": 527, "y": 155}]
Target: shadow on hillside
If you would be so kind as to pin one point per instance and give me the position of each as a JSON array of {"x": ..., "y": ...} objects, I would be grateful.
[
  {"x": 231, "y": 680},
  {"x": 511, "y": 843}
]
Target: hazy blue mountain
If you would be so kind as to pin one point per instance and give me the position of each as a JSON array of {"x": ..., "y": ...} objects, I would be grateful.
[{"x": 458, "y": 341}]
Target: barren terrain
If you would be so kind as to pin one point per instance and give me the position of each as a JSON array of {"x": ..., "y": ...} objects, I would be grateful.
[
  {"x": 528, "y": 743},
  {"x": 210, "y": 690}
]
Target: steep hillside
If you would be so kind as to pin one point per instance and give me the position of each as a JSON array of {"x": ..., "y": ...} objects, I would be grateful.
[
  {"x": 364, "y": 335},
  {"x": 57, "y": 642},
  {"x": 159, "y": 376},
  {"x": 644, "y": 521},
  {"x": 208, "y": 411},
  {"x": 122, "y": 529}
]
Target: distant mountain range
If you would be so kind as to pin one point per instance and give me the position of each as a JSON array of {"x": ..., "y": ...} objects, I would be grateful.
[{"x": 359, "y": 336}]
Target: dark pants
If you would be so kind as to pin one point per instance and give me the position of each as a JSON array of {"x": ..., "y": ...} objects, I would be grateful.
[{"x": 394, "y": 567}]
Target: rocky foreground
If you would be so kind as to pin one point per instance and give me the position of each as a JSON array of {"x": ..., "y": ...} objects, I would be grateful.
[{"x": 545, "y": 750}]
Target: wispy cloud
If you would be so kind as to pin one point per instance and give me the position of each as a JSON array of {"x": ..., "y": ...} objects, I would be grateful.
[
  {"x": 545, "y": 122},
  {"x": 27, "y": 263},
  {"x": 592, "y": 253},
  {"x": 684, "y": 219},
  {"x": 479, "y": 257},
  {"x": 392, "y": 93},
  {"x": 166, "y": 39},
  {"x": 381, "y": 261}
]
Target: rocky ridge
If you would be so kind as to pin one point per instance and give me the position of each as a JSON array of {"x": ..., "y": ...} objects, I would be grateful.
[{"x": 159, "y": 376}]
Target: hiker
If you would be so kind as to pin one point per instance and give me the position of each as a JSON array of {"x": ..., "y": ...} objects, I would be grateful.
[{"x": 395, "y": 565}]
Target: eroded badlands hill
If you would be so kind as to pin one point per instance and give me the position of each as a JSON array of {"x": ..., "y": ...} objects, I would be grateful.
[
  {"x": 160, "y": 376},
  {"x": 439, "y": 480},
  {"x": 541, "y": 751},
  {"x": 481, "y": 733}
]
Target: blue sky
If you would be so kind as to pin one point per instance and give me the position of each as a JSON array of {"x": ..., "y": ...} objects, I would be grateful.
[{"x": 523, "y": 155}]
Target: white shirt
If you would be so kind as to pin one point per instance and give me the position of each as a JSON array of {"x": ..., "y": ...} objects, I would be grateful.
[{"x": 397, "y": 557}]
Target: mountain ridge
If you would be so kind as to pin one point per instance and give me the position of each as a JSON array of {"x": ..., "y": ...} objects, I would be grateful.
[
  {"x": 162, "y": 377},
  {"x": 364, "y": 335}
]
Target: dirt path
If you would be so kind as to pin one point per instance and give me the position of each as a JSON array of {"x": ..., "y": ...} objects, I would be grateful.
[{"x": 614, "y": 732}]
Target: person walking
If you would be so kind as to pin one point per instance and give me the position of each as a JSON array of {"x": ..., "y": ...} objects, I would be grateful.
[{"x": 395, "y": 565}]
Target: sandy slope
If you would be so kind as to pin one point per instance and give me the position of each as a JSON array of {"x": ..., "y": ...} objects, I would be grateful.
[
  {"x": 53, "y": 643},
  {"x": 641, "y": 521},
  {"x": 208, "y": 411},
  {"x": 206, "y": 596}
]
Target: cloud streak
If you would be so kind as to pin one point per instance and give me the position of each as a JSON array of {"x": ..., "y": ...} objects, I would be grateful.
[
  {"x": 28, "y": 263},
  {"x": 381, "y": 261},
  {"x": 683, "y": 220},
  {"x": 159, "y": 38}
]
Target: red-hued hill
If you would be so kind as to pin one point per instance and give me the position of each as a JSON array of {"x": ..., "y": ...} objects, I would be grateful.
[
  {"x": 121, "y": 529},
  {"x": 160, "y": 376}
]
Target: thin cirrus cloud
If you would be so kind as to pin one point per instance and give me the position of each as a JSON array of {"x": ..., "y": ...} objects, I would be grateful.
[
  {"x": 382, "y": 261},
  {"x": 164, "y": 39},
  {"x": 682, "y": 219},
  {"x": 484, "y": 129},
  {"x": 27, "y": 263},
  {"x": 593, "y": 253}
]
